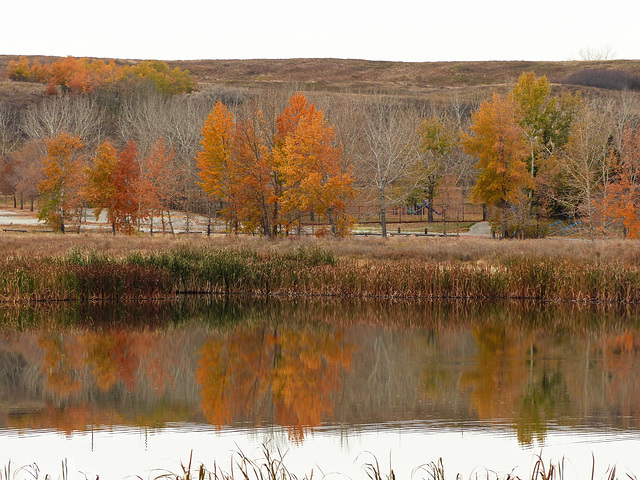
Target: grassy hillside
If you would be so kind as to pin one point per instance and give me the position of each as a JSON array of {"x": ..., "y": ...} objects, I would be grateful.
[{"x": 432, "y": 79}]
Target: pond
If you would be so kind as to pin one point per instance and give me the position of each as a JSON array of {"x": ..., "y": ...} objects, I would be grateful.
[{"x": 329, "y": 387}]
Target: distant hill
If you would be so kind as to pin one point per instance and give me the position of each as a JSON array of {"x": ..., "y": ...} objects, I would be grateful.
[{"x": 437, "y": 79}]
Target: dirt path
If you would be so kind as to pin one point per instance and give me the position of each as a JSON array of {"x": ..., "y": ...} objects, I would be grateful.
[{"x": 480, "y": 229}]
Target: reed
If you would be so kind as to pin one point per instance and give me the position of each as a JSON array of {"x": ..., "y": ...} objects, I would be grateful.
[
  {"x": 271, "y": 466},
  {"x": 320, "y": 269}
]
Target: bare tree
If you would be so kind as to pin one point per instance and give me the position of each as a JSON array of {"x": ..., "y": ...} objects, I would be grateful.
[
  {"x": 590, "y": 54},
  {"x": 390, "y": 132},
  {"x": 9, "y": 132},
  {"x": 583, "y": 164},
  {"x": 80, "y": 116}
]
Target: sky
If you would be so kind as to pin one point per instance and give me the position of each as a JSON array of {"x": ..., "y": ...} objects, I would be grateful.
[{"x": 396, "y": 30}]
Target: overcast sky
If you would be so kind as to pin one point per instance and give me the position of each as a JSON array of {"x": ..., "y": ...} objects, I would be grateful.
[{"x": 402, "y": 30}]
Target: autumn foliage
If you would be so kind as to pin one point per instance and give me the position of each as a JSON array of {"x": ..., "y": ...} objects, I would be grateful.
[
  {"x": 267, "y": 183},
  {"x": 620, "y": 200},
  {"x": 82, "y": 75},
  {"x": 62, "y": 187},
  {"x": 113, "y": 185}
]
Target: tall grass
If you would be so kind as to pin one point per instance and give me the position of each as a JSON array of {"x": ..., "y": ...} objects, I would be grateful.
[{"x": 329, "y": 269}]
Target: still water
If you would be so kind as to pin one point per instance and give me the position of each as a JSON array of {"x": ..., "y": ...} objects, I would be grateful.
[{"x": 136, "y": 390}]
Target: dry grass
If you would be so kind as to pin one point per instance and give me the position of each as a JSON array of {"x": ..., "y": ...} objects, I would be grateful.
[
  {"x": 52, "y": 267},
  {"x": 466, "y": 249},
  {"x": 438, "y": 81}
]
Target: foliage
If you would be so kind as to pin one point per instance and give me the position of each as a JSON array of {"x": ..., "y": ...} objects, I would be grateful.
[
  {"x": 499, "y": 144},
  {"x": 437, "y": 141},
  {"x": 302, "y": 171},
  {"x": 310, "y": 165},
  {"x": 159, "y": 186},
  {"x": 62, "y": 187},
  {"x": 113, "y": 185},
  {"x": 83, "y": 76},
  {"x": 214, "y": 158},
  {"x": 620, "y": 193}
]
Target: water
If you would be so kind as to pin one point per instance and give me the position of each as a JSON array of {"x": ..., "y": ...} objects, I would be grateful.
[{"x": 333, "y": 387}]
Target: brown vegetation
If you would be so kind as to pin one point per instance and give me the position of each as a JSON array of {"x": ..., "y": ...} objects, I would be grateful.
[
  {"x": 411, "y": 269},
  {"x": 431, "y": 79}
]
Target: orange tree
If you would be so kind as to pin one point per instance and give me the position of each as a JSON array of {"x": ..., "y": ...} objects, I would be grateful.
[
  {"x": 82, "y": 76},
  {"x": 620, "y": 200},
  {"x": 213, "y": 160},
  {"x": 252, "y": 174},
  {"x": 61, "y": 189},
  {"x": 313, "y": 175},
  {"x": 113, "y": 184},
  {"x": 159, "y": 186},
  {"x": 499, "y": 143}
]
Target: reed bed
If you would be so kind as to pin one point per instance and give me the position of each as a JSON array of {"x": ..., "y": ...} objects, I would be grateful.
[{"x": 322, "y": 269}]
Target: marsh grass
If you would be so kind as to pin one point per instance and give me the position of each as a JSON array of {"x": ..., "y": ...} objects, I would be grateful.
[
  {"x": 410, "y": 269},
  {"x": 272, "y": 467}
]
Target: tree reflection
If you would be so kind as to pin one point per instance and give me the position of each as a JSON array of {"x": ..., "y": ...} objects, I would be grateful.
[
  {"x": 60, "y": 365},
  {"x": 508, "y": 384},
  {"x": 280, "y": 374}
]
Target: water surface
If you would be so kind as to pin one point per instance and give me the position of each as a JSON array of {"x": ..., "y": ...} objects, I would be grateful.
[{"x": 333, "y": 386}]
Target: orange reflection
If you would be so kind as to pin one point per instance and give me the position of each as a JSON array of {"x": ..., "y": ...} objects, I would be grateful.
[{"x": 282, "y": 373}]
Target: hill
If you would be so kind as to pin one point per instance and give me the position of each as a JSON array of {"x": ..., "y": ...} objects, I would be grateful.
[{"x": 432, "y": 79}]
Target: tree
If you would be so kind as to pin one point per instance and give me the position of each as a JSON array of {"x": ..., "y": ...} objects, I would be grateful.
[
  {"x": 160, "y": 183},
  {"x": 113, "y": 185},
  {"x": 253, "y": 170},
  {"x": 24, "y": 171},
  {"x": 390, "y": 133},
  {"x": 582, "y": 166},
  {"x": 62, "y": 187},
  {"x": 310, "y": 165},
  {"x": 253, "y": 173},
  {"x": 9, "y": 132},
  {"x": 78, "y": 116},
  {"x": 546, "y": 122},
  {"x": 213, "y": 160},
  {"x": 436, "y": 143},
  {"x": 620, "y": 193},
  {"x": 499, "y": 144}
]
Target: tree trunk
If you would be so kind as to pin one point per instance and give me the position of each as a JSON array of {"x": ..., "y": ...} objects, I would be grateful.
[
  {"x": 504, "y": 221},
  {"x": 430, "y": 197},
  {"x": 383, "y": 215},
  {"x": 444, "y": 222},
  {"x": 170, "y": 222}
]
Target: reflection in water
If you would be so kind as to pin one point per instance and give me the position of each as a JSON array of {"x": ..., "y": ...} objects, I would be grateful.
[
  {"x": 276, "y": 373},
  {"x": 300, "y": 365}
]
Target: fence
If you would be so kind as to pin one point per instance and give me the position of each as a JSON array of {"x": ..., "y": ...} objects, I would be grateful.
[{"x": 465, "y": 212}]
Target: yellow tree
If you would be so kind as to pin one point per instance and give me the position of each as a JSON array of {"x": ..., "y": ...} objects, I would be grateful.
[
  {"x": 213, "y": 160},
  {"x": 62, "y": 187},
  {"x": 499, "y": 144}
]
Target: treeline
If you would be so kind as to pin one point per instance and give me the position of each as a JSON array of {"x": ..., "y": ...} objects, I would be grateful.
[
  {"x": 261, "y": 158},
  {"x": 82, "y": 75}
]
